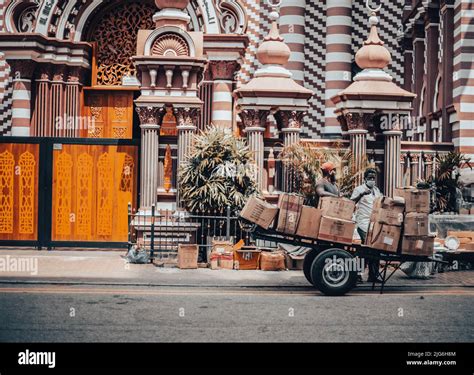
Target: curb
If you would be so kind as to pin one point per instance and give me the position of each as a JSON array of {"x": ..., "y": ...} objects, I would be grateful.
[{"x": 221, "y": 286}]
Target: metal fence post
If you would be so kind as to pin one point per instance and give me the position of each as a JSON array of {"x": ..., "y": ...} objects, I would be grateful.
[
  {"x": 152, "y": 239},
  {"x": 129, "y": 226},
  {"x": 228, "y": 224}
]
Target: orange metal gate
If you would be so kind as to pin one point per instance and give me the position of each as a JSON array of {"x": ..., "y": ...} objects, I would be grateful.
[{"x": 67, "y": 192}]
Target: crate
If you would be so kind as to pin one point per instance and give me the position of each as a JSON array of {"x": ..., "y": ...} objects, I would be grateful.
[{"x": 188, "y": 256}]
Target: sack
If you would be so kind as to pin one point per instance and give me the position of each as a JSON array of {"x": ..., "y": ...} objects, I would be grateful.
[
  {"x": 137, "y": 255},
  {"x": 272, "y": 261}
]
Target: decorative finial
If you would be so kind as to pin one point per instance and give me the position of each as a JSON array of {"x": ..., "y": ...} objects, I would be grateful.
[
  {"x": 373, "y": 54},
  {"x": 372, "y": 11}
]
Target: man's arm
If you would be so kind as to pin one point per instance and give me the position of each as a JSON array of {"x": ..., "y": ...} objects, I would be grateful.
[
  {"x": 358, "y": 194},
  {"x": 323, "y": 193}
]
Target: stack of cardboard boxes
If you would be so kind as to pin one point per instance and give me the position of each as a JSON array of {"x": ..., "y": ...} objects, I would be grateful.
[
  {"x": 386, "y": 224},
  {"x": 396, "y": 225},
  {"x": 401, "y": 224},
  {"x": 416, "y": 239},
  {"x": 331, "y": 221}
]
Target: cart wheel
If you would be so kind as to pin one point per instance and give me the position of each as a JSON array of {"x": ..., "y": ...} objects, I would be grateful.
[
  {"x": 331, "y": 272},
  {"x": 307, "y": 263}
]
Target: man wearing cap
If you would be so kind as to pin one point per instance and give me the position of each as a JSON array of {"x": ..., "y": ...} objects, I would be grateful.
[{"x": 326, "y": 186}]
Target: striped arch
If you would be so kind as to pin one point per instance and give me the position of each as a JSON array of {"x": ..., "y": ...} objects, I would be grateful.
[{"x": 74, "y": 15}]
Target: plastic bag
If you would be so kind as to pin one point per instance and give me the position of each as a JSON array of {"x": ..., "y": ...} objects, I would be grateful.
[
  {"x": 137, "y": 255},
  {"x": 418, "y": 270}
]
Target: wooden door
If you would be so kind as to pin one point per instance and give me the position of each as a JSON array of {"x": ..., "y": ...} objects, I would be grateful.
[
  {"x": 92, "y": 187},
  {"x": 19, "y": 170},
  {"x": 109, "y": 114}
]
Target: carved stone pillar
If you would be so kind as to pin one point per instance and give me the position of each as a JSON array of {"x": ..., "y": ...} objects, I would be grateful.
[
  {"x": 428, "y": 166},
  {"x": 254, "y": 121},
  {"x": 57, "y": 102},
  {"x": 42, "y": 117},
  {"x": 187, "y": 119},
  {"x": 222, "y": 73},
  {"x": 402, "y": 181},
  {"x": 22, "y": 72},
  {"x": 414, "y": 161},
  {"x": 392, "y": 160},
  {"x": 149, "y": 123},
  {"x": 357, "y": 125},
  {"x": 72, "y": 110},
  {"x": 290, "y": 123}
]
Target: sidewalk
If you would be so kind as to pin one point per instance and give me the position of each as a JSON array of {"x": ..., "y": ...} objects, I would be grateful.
[{"x": 109, "y": 268}]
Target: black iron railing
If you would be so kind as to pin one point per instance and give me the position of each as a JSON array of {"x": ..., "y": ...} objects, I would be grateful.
[{"x": 161, "y": 231}]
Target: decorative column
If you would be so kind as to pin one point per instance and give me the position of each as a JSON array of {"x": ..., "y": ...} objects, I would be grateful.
[
  {"x": 22, "y": 72},
  {"x": 186, "y": 118},
  {"x": 392, "y": 160},
  {"x": 414, "y": 160},
  {"x": 222, "y": 102},
  {"x": 292, "y": 29},
  {"x": 428, "y": 166},
  {"x": 57, "y": 102},
  {"x": 290, "y": 123},
  {"x": 150, "y": 128},
  {"x": 41, "y": 118},
  {"x": 254, "y": 121},
  {"x": 338, "y": 57},
  {"x": 402, "y": 181},
  {"x": 72, "y": 103},
  {"x": 357, "y": 125}
]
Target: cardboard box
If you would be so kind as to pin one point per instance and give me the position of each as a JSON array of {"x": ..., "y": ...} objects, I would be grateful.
[
  {"x": 416, "y": 224},
  {"x": 226, "y": 261},
  {"x": 272, "y": 261},
  {"x": 310, "y": 219},
  {"x": 221, "y": 247},
  {"x": 290, "y": 207},
  {"x": 336, "y": 230},
  {"x": 222, "y": 261},
  {"x": 341, "y": 208},
  {"x": 259, "y": 212},
  {"x": 247, "y": 258},
  {"x": 383, "y": 237},
  {"x": 415, "y": 200},
  {"x": 188, "y": 256},
  {"x": 468, "y": 246},
  {"x": 388, "y": 211},
  {"x": 462, "y": 234},
  {"x": 421, "y": 245}
]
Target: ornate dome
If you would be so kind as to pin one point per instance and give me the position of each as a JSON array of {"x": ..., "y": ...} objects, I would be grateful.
[
  {"x": 273, "y": 50},
  {"x": 373, "y": 54},
  {"x": 170, "y": 45}
]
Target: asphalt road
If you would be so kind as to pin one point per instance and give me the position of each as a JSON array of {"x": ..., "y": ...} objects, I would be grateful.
[{"x": 151, "y": 314}]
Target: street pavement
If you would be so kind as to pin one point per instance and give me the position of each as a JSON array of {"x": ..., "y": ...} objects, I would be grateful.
[
  {"x": 53, "y": 313},
  {"x": 95, "y": 296}
]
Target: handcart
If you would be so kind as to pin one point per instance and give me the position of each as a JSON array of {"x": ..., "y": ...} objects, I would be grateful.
[{"x": 331, "y": 267}]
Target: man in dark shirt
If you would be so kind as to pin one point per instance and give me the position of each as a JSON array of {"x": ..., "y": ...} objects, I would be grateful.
[{"x": 326, "y": 186}]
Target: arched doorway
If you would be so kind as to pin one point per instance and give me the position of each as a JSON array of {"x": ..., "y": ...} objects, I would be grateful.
[{"x": 108, "y": 101}]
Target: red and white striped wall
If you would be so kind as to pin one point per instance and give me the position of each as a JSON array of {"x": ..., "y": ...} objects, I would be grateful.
[
  {"x": 21, "y": 107},
  {"x": 292, "y": 29},
  {"x": 463, "y": 77},
  {"x": 338, "y": 57},
  {"x": 222, "y": 104}
]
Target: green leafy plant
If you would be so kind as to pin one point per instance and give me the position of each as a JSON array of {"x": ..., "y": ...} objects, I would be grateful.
[
  {"x": 219, "y": 172},
  {"x": 446, "y": 180},
  {"x": 304, "y": 161}
]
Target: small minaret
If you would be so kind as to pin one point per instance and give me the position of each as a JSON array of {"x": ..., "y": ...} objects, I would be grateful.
[
  {"x": 272, "y": 90},
  {"x": 373, "y": 94}
]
